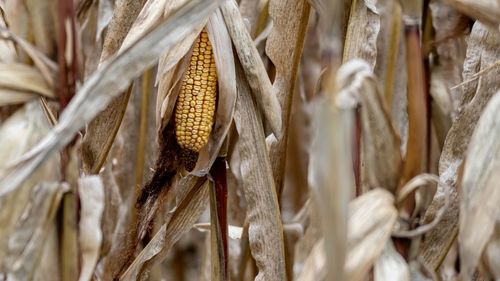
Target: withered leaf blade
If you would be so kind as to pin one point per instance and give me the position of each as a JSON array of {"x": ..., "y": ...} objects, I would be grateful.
[
  {"x": 101, "y": 131},
  {"x": 481, "y": 53},
  {"x": 24, "y": 78},
  {"x": 288, "y": 29},
  {"x": 265, "y": 232},
  {"x": 253, "y": 66},
  {"x": 362, "y": 32},
  {"x": 106, "y": 83},
  {"x": 479, "y": 208}
]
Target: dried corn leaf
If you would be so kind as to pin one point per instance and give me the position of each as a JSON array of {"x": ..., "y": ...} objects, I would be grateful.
[
  {"x": 47, "y": 67},
  {"x": 18, "y": 19},
  {"x": 381, "y": 155},
  {"x": 24, "y": 78},
  {"x": 101, "y": 131},
  {"x": 26, "y": 241},
  {"x": 284, "y": 48},
  {"x": 372, "y": 217},
  {"x": 481, "y": 53},
  {"x": 106, "y": 83},
  {"x": 183, "y": 218},
  {"x": 265, "y": 232},
  {"x": 314, "y": 266},
  {"x": 9, "y": 97},
  {"x": 44, "y": 16},
  {"x": 391, "y": 266},
  {"x": 332, "y": 188},
  {"x": 491, "y": 256},
  {"x": 362, "y": 32},
  {"x": 91, "y": 193},
  {"x": 486, "y": 11},
  {"x": 253, "y": 66},
  {"x": 441, "y": 106},
  {"x": 479, "y": 208}
]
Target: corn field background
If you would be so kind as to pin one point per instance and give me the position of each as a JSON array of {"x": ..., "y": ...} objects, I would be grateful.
[{"x": 339, "y": 140}]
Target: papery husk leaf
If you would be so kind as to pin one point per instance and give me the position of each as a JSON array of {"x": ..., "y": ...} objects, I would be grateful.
[
  {"x": 253, "y": 66},
  {"x": 479, "y": 208},
  {"x": 226, "y": 96},
  {"x": 265, "y": 232},
  {"x": 91, "y": 193},
  {"x": 106, "y": 83},
  {"x": 173, "y": 55}
]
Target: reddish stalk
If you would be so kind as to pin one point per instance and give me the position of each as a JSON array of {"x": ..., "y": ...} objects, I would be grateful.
[{"x": 218, "y": 172}]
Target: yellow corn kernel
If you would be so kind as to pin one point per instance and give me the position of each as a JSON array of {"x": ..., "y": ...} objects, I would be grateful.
[{"x": 195, "y": 108}]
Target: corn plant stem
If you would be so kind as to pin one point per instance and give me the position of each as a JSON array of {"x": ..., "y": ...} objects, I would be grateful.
[
  {"x": 68, "y": 73},
  {"x": 392, "y": 54},
  {"x": 356, "y": 153},
  {"x": 418, "y": 123},
  {"x": 218, "y": 217},
  {"x": 427, "y": 38}
]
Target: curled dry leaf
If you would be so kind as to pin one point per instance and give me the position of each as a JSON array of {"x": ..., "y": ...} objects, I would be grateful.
[
  {"x": 380, "y": 142},
  {"x": 479, "y": 208},
  {"x": 372, "y": 217},
  {"x": 91, "y": 193}
]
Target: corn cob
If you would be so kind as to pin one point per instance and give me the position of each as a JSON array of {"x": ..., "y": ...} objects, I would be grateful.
[{"x": 195, "y": 108}]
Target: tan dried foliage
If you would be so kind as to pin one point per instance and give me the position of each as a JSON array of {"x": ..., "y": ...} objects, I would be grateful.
[{"x": 352, "y": 140}]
